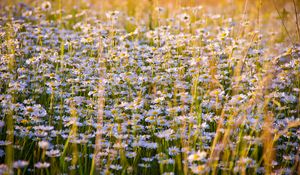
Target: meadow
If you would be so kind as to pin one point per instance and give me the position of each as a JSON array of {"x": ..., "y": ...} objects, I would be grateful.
[{"x": 130, "y": 87}]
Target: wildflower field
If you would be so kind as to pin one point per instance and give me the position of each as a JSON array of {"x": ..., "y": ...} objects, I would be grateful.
[{"x": 149, "y": 87}]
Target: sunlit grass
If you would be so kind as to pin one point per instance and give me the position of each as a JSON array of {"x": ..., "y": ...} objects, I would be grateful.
[{"x": 149, "y": 87}]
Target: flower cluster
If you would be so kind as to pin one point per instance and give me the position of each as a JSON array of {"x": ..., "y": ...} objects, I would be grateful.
[{"x": 88, "y": 94}]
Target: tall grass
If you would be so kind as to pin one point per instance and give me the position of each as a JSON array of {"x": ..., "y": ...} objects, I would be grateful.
[{"x": 149, "y": 87}]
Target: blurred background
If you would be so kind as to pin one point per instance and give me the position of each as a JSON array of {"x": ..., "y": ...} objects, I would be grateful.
[
  {"x": 135, "y": 5},
  {"x": 273, "y": 15}
]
